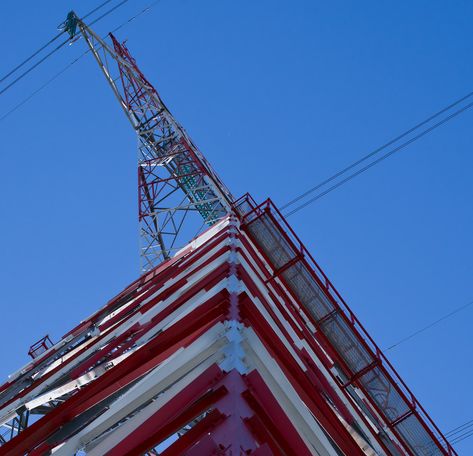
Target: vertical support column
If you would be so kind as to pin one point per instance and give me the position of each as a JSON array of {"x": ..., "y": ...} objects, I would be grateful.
[{"x": 234, "y": 351}]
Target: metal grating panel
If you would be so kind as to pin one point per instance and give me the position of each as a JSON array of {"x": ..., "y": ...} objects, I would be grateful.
[
  {"x": 278, "y": 250},
  {"x": 370, "y": 370},
  {"x": 308, "y": 291},
  {"x": 385, "y": 394},
  {"x": 346, "y": 343},
  {"x": 416, "y": 437}
]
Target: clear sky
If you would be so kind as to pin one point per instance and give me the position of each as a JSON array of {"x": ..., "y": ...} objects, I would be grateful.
[{"x": 278, "y": 95}]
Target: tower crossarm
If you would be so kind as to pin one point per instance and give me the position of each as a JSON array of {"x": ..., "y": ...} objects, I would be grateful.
[{"x": 174, "y": 178}]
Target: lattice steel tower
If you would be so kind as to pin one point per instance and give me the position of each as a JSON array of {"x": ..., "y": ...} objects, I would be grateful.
[{"x": 234, "y": 342}]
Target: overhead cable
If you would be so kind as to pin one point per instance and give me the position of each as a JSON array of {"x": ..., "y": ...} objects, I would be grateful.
[
  {"x": 378, "y": 150},
  {"x": 70, "y": 64},
  {"x": 132, "y": 18},
  {"x": 425, "y": 328},
  {"x": 462, "y": 437},
  {"x": 30, "y": 69},
  {"x": 461, "y": 428},
  {"x": 40, "y": 88},
  {"x": 111, "y": 10},
  {"x": 52, "y": 40},
  {"x": 63, "y": 43},
  {"x": 380, "y": 159}
]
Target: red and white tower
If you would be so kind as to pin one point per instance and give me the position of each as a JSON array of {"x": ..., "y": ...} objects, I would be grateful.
[{"x": 235, "y": 343}]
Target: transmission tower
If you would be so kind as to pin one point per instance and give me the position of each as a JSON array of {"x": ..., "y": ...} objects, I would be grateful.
[
  {"x": 174, "y": 178},
  {"x": 232, "y": 343}
]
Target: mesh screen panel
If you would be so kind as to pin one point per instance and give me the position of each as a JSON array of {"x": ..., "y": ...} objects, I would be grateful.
[
  {"x": 384, "y": 393},
  {"x": 393, "y": 449},
  {"x": 346, "y": 343},
  {"x": 244, "y": 207},
  {"x": 417, "y": 438},
  {"x": 276, "y": 247},
  {"x": 306, "y": 288},
  {"x": 308, "y": 291},
  {"x": 378, "y": 386}
]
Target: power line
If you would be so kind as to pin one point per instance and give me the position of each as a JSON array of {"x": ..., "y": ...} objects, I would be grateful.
[
  {"x": 462, "y": 437},
  {"x": 131, "y": 19},
  {"x": 40, "y": 88},
  {"x": 425, "y": 328},
  {"x": 95, "y": 9},
  {"x": 52, "y": 40},
  {"x": 380, "y": 159},
  {"x": 63, "y": 43},
  {"x": 460, "y": 428},
  {"x": 465, "y": 430},
  {"x": 59, "y": 73},
  {"x": 29, "y": 70},
  {"x": 376, "y": 151},
  {"x": 111, "y": 10}
]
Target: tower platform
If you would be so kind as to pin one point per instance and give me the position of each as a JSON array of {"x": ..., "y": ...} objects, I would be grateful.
[{"x": 237, "y": 345}]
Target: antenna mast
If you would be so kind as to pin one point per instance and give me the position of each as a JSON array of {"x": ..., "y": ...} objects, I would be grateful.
[{"x": 174, "y": 178}]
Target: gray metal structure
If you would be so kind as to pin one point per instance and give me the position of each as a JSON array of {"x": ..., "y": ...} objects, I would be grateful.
[{"x": 174, "y": 178}]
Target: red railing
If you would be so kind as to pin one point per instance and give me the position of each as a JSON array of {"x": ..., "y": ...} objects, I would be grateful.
[
  {"x": 40, "y": 347},
  {"x": 410, "y": 423}
]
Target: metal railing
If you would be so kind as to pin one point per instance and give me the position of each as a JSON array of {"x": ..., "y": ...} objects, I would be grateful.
[{"x": 360, "y": 359}]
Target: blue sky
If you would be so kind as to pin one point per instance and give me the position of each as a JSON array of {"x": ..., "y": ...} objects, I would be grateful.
[{"x": 278, "y": 95}]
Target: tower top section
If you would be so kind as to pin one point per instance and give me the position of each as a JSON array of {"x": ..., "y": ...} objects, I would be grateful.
[{"x": 179, "y": 192}]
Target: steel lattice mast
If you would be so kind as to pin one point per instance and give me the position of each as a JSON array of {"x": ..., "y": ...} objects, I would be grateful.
[
  {"x": 236, "y": 344},
  {"x": 174, "y": 178}
]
